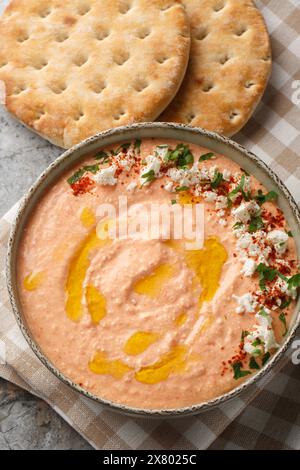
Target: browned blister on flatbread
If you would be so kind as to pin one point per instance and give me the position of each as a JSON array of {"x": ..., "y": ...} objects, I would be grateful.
[
  {"x": 72, "y": 68},
  {"x": 230, "y": 64}
]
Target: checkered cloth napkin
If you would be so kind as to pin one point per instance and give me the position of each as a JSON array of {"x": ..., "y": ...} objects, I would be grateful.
[{"x": 267, "y": 415}]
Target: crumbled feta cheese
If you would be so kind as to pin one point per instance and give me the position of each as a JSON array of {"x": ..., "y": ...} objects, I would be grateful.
[
  {"x": 176, "y": 175},
  {"x": 282, "y": 285},
  {"x": 246, "y": 303},
  {"x": 131, "y": 186},
  {"x": 223, "y": 222},
  {"x": 161, "y": 151},
  {"x": 265, "y": 331},
  {"x": 226, "y": 175},
  {"x": 262, "y": 331},
  {"x": 106, "y": 176},
  {"x": 221, "y": 202},
  {"x": 249, "y": 267},
  {"x": 210, "y": 196},
  {"x": 169, "y": 187},
  {"x": 247, "y": 184},
  {"x": 220, "y": 213},
  {"x": 185, "y": 177},
  {"x": 203, "y": 174},
  {"x": 212, "y": 171},
  {"x": 279, "y": 239},
  {"x": 153, "y": 164},
  {"x": 245, "y": 210},
  {"x": 250, "y": 348},
  {"x": 245, "y": 241},
  {"x": 254, "y": 245},
  {"x": 240, "y": 231},
  {"x": 126, "y": 164}
]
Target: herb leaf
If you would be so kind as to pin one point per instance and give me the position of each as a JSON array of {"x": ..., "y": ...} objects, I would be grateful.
[
  {"x": 240, "y": 189},
  {"x": 261, "y": 198},
  {"x": 182, "y": 188},
  {"x": 121, "y": 148},
  {"x": 256, "y": 342},
  {"x": 182, "y": 156},
  {"x": 282, "y": 318},
  {"x": 149, "y": 176},
  {"x": 206, "y": 156},
  {"x": 285, "y": 303},
  {"x": 238, "y": 372},
  {"x": 265, "y": 358},
  {"x": 137, "y": 145},
  {"x": 238, "y": 225},
  {"x": 253, "y": 364},
  {"x": 102, "y": 156},
  {"x": 265, "y": 274},
  {"x": 256, "y": 223},
  {"x": 79, "y": 173},
  {"x": 244, "y": 334},
  {"x": 217, "y": 180},
  {"x": 294, "y": 281}
]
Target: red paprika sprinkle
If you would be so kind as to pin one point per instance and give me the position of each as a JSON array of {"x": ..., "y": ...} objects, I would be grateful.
[{"x": 82, "y": 186}]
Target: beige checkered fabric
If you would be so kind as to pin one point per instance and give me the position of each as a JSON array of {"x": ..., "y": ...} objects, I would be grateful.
[{"x": 266, "y": 416}]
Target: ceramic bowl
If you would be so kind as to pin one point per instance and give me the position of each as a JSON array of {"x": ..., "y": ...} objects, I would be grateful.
[{"x": 214, "y": 142}]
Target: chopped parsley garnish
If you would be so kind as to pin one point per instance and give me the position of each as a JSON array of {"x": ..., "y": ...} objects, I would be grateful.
[
  {"x": 256, "y": 223},
  {"x": 263, "y": 313},
  {"x": 79, "y": 173},
  {"x": 121, "y": 148},
  {"x": 269, "y": 274},
  {"x": 253, "y": 364},
  {"x": 265, "y": 358},
  {"x": 238, "y": 225},
  {"x": 261, "y": 198},
  {"x": 217, "y": 179},
  {"x": 102, "y": 156},
  {"x": 244, "y": 334},
  {"x": 182, "y": 188},
  {"x": 256, "y": 342},
  {"x": 137, "y": 145},
  {"x": 285, "y": 303},
  {"x": 239, "y": 189},
  {"x": 282, "y": 318},
  {"x": 238, "y": 372},
  {"x": 265, "y": 274},
  {"x": 149, "y": 176},
  {"x": 173, "y": 202},
  {"x": 290, "y": 234},
  {"x": 206, "y": 156},
  {"x": 294, "y": 281},
  {"x": 181, "y": 156}
]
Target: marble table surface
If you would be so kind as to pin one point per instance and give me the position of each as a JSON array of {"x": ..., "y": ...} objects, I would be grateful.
[{"x": 26, "y": 422}]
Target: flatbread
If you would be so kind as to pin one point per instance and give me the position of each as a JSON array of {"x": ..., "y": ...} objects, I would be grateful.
[
  {"x": 230, "y": 64},
  {"x": 71, "y": 68}
]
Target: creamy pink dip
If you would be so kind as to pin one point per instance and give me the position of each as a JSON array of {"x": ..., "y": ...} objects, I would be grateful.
[{"x": 133, "y": 321}]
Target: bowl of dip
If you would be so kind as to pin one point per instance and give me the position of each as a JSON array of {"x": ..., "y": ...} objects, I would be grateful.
[{"x": 161, "y": 325}]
